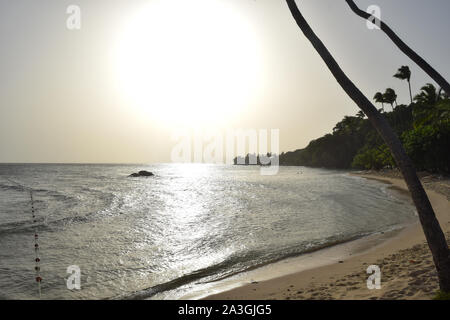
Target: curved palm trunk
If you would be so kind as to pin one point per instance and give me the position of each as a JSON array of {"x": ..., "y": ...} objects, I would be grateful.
[
  {"x": 404, "y": 47},
  {"x": 433, "y": 232}
]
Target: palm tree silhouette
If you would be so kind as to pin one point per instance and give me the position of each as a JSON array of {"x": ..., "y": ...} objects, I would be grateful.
[
  {"x": 389, "y": 96},
  {"x": 378, "y": 97},
  {"x": 425, "y": 66},
  {"x": 403, "y": 73},
  {"x": 428, "y": 96},
  {"x": 430, "y": 225}
]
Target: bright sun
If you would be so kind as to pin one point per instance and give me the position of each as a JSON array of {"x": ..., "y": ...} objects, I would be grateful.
[{"x": 193, "y": 63}]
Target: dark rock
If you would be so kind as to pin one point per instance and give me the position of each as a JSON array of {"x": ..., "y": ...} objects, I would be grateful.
[
  {"x": 142, "y": 173},
  {"x": 145, "y": 173}
]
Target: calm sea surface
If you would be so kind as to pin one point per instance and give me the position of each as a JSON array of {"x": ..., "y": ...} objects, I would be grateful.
[{"x": 136, "y": 237}]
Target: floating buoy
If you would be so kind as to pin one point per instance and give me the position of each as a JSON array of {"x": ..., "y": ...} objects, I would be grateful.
[{"x": 37, "y": 268}]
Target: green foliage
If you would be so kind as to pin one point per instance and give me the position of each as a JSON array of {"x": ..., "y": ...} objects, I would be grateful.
[
  {"x": 428, "y": 95},
  {"x": 423, "y": 126},
  {"x": 429, "y": 146},
  {"x": 439, "y": 113},
  {"x": 373, "y": 158},
  {"x": 442, "y": 296}
]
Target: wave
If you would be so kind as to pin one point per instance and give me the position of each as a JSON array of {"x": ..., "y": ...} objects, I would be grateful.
[
  {"x": 236, "y": 264},
  {"x": 51, "y": 193},
  {"x": 12, "y": 187},
  {"x": 45, "y": 197},
  {"x": 42, "y": 224},
  {"x": 45, "y": 224}
]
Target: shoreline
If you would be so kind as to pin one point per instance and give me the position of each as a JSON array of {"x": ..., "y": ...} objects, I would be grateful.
[
  {"x": 318, "y": 257},
  {"x": 407, "y": 271}
]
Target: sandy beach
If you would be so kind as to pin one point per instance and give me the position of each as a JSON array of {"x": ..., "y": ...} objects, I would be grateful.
[{"x": 407, "y": 270}]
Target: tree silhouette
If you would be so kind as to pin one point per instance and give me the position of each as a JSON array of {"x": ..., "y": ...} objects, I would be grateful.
[
  {"x": 405, "y": 74},
  {"x": 430, "y": 225},
  {"x": 389, "y": 96},
  {"x": 360, "y": 114},
  {"x": 428, "y": 95},
  {"x": 425, "y": 66},
  {"x": 378, "y": 97}
]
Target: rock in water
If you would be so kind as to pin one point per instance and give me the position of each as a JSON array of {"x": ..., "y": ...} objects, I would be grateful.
[
  {"x": 145, "y": 173},
  {"x": 142, "y": 173}
]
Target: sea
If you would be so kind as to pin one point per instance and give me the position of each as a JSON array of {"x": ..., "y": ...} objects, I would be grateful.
[{"x": 135, "y": 238}]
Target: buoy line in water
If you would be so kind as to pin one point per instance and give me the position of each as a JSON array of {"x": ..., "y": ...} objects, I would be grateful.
[{"x": 37, "y": 259}]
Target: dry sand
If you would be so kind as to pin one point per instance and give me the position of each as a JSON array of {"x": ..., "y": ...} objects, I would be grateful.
[{"x": 407, "y": 270}]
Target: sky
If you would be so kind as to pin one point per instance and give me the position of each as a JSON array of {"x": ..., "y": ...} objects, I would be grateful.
[{"x": 117, "y": 89}]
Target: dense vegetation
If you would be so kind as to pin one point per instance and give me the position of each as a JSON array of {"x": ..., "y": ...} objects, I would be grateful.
[{"x": 423, "y": 127}]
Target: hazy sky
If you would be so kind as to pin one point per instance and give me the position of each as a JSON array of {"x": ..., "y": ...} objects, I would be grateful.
[{"x": 107, "y": 92}]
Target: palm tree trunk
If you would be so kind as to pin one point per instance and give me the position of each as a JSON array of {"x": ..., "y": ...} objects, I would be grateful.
[
  {"x": 433, "y": 232},
  {"x": 410, "y": 91},
  {"x": 403, "y": 47}
]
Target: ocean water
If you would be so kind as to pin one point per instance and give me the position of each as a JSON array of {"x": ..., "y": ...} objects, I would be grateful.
[{"x": 137, "y": 237}]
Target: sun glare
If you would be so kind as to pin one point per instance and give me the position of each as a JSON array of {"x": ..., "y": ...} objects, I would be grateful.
[{"x": 192, "y": 63}]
